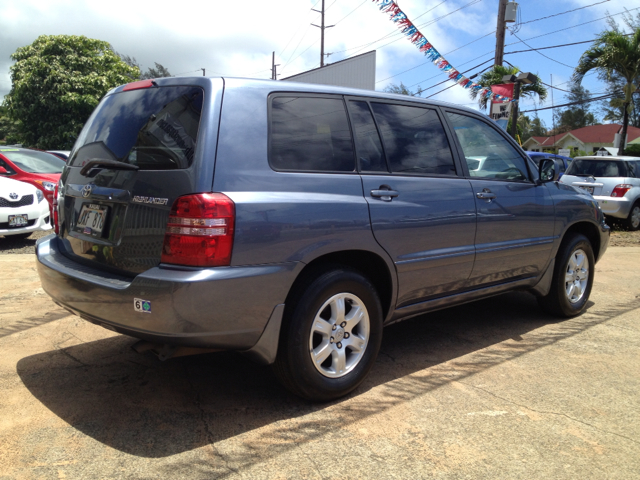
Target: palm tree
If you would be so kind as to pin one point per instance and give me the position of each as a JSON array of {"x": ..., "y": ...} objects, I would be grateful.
[
  {"x": 614, "y": 52},
  {"x": 494, "y": 77}
]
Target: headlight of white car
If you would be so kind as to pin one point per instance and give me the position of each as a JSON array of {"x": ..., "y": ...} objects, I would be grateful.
[
  {"x": 48, "y": 186},
  {"x": 40, "y": 195}
]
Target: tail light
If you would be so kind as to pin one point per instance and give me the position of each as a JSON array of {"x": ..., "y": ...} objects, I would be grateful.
[
  {"x": 620, "y": 190},
  {"x": 54, "y": 209},
  {"x": 200, "y": 231}
]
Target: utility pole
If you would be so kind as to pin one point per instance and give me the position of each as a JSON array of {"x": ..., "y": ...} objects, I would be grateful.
[
  {"x": 321, "y": 27},
  {"x": 500, "y": 32},
  {"x": 274, "y": 75}
]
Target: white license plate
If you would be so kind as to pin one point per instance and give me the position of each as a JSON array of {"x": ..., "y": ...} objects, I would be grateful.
[
  {"x": 588, "y": 189},
  {"x": 18, "y": 220},
  {"x": 92, "y": 219}
]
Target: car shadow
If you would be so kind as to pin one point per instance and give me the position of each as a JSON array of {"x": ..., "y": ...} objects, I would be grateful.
[{"x": 138, "y": 405}]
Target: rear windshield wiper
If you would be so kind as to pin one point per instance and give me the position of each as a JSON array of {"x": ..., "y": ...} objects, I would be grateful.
[
  {"x": 112, "y": 164},
  {"x": 587, "y": 175}
]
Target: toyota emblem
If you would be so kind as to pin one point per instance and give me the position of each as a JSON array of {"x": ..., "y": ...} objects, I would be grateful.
[
  {"x": 86, "y": 190},
  {"x": 13, "y": 196}
]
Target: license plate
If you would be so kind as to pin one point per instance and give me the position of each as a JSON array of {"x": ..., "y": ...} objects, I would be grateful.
[
  {"x": 588, "y": 189},
  {"x": 92, "y": 219},
  {"x": 18, "y": 220}
]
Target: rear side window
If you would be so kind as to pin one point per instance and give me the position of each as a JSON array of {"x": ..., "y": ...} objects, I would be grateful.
[
  {"x": 153, "y": 128},
  {"x": 414, "y": 140},
  {"x": 597, "y": 168},
  {"x": 310, "y": 134}
]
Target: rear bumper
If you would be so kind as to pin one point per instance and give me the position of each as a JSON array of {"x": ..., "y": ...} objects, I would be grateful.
[
  {"x": 618, "y": 207},
  {"x": 224, "y": 307}
]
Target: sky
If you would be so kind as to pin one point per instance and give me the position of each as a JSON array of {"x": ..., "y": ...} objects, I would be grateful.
[{"x": 238, "y": 38}]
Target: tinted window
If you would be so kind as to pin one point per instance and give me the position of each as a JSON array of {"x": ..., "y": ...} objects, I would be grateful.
[
  {"x": 414, "y": 140},
  {"x": 310, "y": 134},
  {"x": 487, "y": 152},
  {"x": 597, "y": 168},
  {"x": 35, "y": 162},
  {"x": 153, "y": 128},
  {"x": 368, "y": 144}
]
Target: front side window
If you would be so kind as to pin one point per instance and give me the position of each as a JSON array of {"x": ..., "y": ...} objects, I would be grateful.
[
  {"x": 414, "y": 140},
  {"x": 488, "y": 154},
  {"x": 310, "y": 134}
]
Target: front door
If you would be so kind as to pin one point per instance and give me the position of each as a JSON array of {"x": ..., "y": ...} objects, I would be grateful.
[{"x": 516, "y": 220}]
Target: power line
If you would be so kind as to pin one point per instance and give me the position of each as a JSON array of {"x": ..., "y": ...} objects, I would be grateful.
[
  {"x": 563, "y": 13},
  {"x": 429, "y": 61},
  {"x": 574, "y": 26},
  {"x": 472, "y": 76},
  {"x": 603, "y": 97},
  {"x": 540, "y": 53}
]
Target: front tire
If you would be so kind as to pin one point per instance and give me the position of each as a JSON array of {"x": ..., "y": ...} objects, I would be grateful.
[
  {"x": 331, "y": 335},
  {"x": 572, "y": 278}
]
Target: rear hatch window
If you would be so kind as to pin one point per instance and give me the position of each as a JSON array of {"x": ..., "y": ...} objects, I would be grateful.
[
  {"x": 130, "y": 162},
  {"x": 151, "y": 128},
  {"x": 597, "y": 168}
]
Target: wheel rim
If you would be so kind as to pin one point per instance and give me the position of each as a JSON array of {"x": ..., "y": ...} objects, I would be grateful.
[
  {"x": 635, "y": 217},
  {"x": 577, "y": 276},
  {"x": 339, "y": 335}
]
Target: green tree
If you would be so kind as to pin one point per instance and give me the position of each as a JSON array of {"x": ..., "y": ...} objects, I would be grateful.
[
  {"x": 158, "y": 72},
  {"x": 531, "y": 127},
  {"x": 57, "y": 81},
  {"x": 613, "y": 53},
  {"x": 575, "y": 116},
  {"x": 494, "y": 77},
  {"x": 401, "y": 90}
]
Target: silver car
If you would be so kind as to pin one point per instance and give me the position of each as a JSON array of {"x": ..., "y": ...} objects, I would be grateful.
[{"x": 613, "y": 181}]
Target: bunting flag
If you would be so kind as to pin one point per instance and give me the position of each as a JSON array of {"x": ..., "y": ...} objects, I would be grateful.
[{"x": 419, "y": 40}]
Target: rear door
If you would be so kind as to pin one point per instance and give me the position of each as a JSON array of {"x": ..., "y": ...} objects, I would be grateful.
[
  {"x": 422, "y": 212},
  {"x": 516, "y": 217},
  {"x": 134, "y": 157}
]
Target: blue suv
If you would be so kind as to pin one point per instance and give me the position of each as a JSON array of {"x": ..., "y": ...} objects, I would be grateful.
[{"x": 291, "y": 222}]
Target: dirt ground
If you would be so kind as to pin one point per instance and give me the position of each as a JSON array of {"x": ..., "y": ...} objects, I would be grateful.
[{"x": 493, "y": 389}]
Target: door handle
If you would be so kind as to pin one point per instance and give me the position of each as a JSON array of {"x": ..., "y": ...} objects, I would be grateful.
[
  {"x": 486, "y": 194},
  {"x": 384, "y": 193}
]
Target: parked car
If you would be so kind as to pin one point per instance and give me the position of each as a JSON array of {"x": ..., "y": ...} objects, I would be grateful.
[
  {"x": 367, "y": 207},
  {"x": 23, "y": 209},
  {"x": 63, "y": 154},
  {"x": 40, "y": 169},
  {"x": 613, "y": 181},
  {"x": 539, "y": 156}
]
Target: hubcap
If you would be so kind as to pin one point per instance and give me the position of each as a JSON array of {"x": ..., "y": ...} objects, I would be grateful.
[
  {"x": 339, "y": 335},
  {"x": 577, "y": 276}
]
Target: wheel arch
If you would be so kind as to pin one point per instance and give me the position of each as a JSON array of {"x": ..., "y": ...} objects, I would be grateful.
[
  {"x": 590, "y": 231},
  {"x": 370, "y": 264}
]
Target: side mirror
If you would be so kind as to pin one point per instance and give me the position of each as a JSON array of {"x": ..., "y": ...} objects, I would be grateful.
[
  {"x": 3, "y": 171},
  {"x": 549, "y": 170}
]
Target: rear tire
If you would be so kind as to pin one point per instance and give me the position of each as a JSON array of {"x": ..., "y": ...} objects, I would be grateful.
[
  {"x": 572, "y": 278},
  {"x": 331, "y": 335},
  {"x": 632, "y": 222}
]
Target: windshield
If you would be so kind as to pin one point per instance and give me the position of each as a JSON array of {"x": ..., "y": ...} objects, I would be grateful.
[
  {"x": 152, "y": 128},
  {"x": 35, "y": 162},
  {"x": 597, "y": 168}
]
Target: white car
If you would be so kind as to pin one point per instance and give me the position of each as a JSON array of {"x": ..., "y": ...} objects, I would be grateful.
[
  {"x": 613, "y": 181},
  {"x": 23, "y": 209}
]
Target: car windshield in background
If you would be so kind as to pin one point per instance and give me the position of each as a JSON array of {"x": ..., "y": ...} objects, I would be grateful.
[
  {"x": 35, "y": 162},
  {"x": 597, "y": 168},
  {"x": 152, "y": 128}
]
